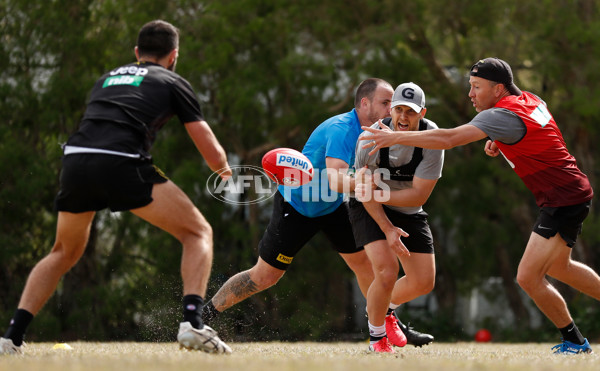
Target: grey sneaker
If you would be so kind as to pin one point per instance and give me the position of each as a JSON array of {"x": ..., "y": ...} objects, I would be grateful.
[
  {"x": 8, "y": 347},
  {"x": 205, "y": 339}
]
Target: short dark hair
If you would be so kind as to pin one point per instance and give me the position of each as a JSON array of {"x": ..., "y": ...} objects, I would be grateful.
[
  {"x": 157, "y": 39},
  {"x": 367, "y": 89}
]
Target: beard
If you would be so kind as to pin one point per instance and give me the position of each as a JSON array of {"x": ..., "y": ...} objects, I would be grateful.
[{"x": 374, "y": 117}]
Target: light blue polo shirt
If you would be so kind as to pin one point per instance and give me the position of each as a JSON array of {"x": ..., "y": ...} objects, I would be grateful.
[{"x": 336, "y": 137}]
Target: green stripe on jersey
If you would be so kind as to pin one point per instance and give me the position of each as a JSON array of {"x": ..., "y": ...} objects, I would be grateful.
[{"x": 123, "y": 80}]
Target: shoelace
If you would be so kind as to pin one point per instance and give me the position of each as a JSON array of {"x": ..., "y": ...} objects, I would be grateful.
[{"x": 385, "y": 345}]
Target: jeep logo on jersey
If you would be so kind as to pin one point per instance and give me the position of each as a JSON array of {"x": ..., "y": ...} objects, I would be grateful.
[
  {"x": 408, "y": 93},
  {"x": 248, "y": 185},
  {"x": 292, "y": 161},
  {"x": 130, "y": 70}
]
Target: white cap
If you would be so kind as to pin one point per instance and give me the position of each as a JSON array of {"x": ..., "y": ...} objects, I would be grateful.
[{"x": 409, "y": 94}]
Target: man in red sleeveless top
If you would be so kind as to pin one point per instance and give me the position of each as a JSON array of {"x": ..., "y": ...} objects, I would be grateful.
[{"x": 519, "y": 126}]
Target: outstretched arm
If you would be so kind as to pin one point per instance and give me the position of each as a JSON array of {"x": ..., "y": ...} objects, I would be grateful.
[
  {"x": 207, "y": 144},
  {"x": 431, "y": 139}
]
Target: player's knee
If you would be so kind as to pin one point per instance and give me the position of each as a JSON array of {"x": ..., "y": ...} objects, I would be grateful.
[
  {"x": 200, "y": 230},
  {"x": 387, "y": 277},
  {"x": 425, "y": 286},
  {"x": 203, "y": 228},
  {"x": 430, "y": 286},
  {"x": 525, "y": 281},
  {"x": 263, "y": 282},
  {"x": 206, "y": 231},
  {"x": 263, "y": 279},
  {"x": 65, "y": 257}
]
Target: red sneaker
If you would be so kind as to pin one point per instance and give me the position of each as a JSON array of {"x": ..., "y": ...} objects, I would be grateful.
[
  {"x": 394, "y": 333},
  {"x": 382, "y": 346}
]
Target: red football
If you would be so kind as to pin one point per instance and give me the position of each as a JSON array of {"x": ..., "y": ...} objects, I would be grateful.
[{"x": 287, "y": 166}]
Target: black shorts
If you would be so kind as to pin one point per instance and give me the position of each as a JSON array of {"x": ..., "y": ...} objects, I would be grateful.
[
  {"x": 566, "y": 220},
  {"x": 366, "y": 230},
  {"x": 92, "y": 182},
  {"x": 288, "y": 231}
]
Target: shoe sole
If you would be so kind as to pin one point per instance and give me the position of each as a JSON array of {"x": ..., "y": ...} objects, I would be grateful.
[
  {"x": 420, "y": 345},
  {"x": 212, "y": 345},
  {"x": 371, "y": 350}
]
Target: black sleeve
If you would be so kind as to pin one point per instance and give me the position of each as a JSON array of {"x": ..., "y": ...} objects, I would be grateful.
[{"x": 185, "y": 104}]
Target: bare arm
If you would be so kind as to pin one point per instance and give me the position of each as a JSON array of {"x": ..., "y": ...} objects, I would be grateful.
[
  {"x": 209, "y": 147},
  {"x": 337, "y": 174},
  {"x": 431, "y": 139},
  {"x": 414, "y": 196}
]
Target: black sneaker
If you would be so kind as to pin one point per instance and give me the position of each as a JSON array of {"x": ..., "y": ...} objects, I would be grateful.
[{"x": 414, "y": 337}]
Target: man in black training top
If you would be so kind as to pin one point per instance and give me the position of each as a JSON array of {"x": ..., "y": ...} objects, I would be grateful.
[{"x": 107, "y": 164}]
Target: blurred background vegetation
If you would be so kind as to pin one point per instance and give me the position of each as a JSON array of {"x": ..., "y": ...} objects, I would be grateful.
[{"x": 267, "y": 73}]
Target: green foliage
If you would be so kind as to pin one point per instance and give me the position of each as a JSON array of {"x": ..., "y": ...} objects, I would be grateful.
[{"x": 267, "y": 73}]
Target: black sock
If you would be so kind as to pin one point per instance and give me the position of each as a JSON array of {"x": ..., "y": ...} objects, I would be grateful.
[
  {"x": 571, "y": 333},
  {"x": 374, "y": 339},
  {"x": 209, "y": 312},
  {"x": 192, "y": 310},
  {"x": 18, "y": 325}
]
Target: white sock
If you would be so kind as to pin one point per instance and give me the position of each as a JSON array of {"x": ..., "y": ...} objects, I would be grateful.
[
  {"x": 394, "y": 306},
  {"x": 376, "y": 331}
]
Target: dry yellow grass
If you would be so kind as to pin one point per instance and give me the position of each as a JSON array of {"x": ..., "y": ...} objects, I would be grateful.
[{"x": 117, "y": 356}]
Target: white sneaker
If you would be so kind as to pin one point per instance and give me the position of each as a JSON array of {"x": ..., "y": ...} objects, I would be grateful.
[
  {"x": 8, "y": 347},
  {"x": 205, "y": 339}
]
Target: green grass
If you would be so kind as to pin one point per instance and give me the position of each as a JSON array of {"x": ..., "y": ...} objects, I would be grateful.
[{"x": 279, "y": 356}]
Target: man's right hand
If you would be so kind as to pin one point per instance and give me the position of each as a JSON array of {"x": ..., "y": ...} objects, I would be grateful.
[
  {"x": 392, "y": 236},
  {"x": 491, "y": 149}
]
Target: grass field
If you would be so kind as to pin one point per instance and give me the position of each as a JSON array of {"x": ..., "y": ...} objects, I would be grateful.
[{"x": 90, "y": 356}]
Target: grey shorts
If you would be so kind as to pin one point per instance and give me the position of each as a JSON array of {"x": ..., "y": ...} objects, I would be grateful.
[
  {"x": 92, "y": 182},
  {"x": 565, "y": 220}
]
